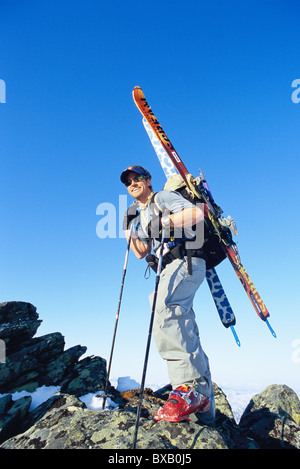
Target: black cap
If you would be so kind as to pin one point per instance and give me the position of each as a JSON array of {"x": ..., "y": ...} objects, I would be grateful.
[{"x": 134, "y": 169}]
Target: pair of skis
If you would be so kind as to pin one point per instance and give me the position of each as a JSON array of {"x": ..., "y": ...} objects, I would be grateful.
[{"x": 172, "y": 164}]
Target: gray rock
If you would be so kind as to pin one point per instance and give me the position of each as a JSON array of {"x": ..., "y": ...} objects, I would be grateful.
[
  {"x": 58, "y": 368},
  {"x": 12, "y": 415},
  {"x": 88, "y": 375},
  {"x": 24, "y": 365},
  {"x": 70, "y": 425},
  {"x": 18, "y": 323},
  {"x": 272, "y": 418},
  {"x": 32, "y": 362},
  {"x": 64, "y": 422}
]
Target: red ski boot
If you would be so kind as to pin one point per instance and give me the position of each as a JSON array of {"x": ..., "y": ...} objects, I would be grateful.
[{"x": 182, "y": 402}]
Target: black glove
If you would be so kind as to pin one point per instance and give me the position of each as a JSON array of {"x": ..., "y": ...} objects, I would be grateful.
[{"x": 130, "y": 214}]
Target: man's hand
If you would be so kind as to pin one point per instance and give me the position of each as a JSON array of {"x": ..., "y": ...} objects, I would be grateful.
[{"x": 130, "y": 214}]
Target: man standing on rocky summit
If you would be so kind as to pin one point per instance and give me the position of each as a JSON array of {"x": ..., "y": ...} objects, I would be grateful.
[{"x": 174, "y": 328}]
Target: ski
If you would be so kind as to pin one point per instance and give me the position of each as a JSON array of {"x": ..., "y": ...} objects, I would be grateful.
[
  {"x": 221, "y": 225},
  {"x": 222, "y": 304}
]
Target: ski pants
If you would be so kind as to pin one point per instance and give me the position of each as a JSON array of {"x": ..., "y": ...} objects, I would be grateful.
[{"x": 174, "y": 327}]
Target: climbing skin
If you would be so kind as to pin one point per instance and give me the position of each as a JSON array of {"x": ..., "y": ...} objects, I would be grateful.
[{"x": 222, "y": 304}]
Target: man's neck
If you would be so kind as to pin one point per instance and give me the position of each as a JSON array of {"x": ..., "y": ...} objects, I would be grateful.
[{"x": 145, "y": 200}]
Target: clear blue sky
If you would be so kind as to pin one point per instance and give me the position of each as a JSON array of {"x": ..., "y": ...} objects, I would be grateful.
[{"x": 218, "y": 76}]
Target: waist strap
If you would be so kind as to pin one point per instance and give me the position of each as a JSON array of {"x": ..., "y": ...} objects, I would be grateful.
[{"x": 177, "y": 252}]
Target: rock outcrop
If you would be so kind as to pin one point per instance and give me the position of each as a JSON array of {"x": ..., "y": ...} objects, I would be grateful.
[
  {"x": 271, "y": 419},
  {"x": 32, "y": 362}
]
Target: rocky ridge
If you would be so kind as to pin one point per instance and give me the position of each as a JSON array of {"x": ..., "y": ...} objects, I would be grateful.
[{"x": 271, "y": 419}]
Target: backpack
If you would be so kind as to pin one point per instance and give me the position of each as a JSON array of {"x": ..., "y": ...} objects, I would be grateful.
[{"x": 211, "y": 250}]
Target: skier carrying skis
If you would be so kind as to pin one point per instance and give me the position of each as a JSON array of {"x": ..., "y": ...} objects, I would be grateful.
[{"x": 174, "y": 328}]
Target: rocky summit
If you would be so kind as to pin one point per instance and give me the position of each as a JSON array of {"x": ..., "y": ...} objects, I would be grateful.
[{"x": 270, "y": 421}]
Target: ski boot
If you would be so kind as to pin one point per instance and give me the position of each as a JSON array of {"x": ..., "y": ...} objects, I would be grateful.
[{"x": 182, "y": 402}]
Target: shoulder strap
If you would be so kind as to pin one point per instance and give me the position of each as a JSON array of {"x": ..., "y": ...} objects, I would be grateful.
[{"x": 153, "y": 202}]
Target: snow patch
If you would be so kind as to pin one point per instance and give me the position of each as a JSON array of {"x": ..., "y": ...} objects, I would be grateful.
[
  {"x": 38, "y": 396},
  {"x": 95, "y": 401}
]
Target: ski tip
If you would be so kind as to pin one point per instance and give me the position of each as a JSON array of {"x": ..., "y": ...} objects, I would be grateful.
[{"x": 138, "y": 95}]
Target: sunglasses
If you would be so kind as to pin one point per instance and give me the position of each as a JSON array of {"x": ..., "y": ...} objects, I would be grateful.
[{"x": 135, "y": 179}]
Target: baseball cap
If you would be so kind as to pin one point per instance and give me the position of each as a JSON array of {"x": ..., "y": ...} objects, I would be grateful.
[{"x": 134, "y": 169}]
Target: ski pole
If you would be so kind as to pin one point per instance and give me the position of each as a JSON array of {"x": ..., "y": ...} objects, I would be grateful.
[
  {"x": 149, "y": 340},
  {"x": 117, "y": 316}
]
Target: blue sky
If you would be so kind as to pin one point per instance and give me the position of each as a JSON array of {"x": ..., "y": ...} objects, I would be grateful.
[{"x": 218, "y": 76}]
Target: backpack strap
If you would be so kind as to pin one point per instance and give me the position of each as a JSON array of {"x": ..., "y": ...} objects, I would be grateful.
[
  {"x": 153, "y": 201},
  {"x": 184, "y": 251}
]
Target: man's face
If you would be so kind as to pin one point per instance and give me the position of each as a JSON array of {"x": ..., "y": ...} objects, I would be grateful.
[{"x": 140, "y": 190}]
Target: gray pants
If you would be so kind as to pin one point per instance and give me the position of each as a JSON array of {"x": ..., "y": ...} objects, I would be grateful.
[{"x": 175, "y": 330}]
